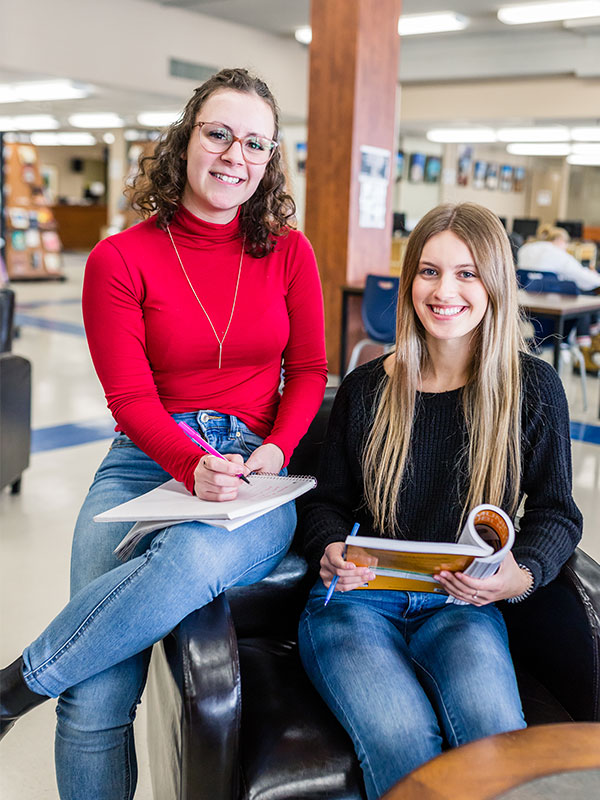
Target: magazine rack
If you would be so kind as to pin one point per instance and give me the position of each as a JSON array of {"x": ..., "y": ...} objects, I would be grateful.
[{"x": 233, "y": 717}]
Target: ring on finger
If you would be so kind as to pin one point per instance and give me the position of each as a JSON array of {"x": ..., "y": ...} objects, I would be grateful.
[{"x": 475, "y": 593}]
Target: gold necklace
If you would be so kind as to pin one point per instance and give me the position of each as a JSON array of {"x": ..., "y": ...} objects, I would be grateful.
[{"x": 220, "y": 341}]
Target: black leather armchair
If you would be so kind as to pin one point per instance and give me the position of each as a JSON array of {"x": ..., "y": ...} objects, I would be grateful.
[
  {"x": 15, "y": 401},
  {"x": 233, "y": 716}
]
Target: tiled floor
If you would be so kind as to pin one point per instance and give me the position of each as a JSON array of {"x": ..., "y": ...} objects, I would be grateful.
[{"x": 68, "y": 406}]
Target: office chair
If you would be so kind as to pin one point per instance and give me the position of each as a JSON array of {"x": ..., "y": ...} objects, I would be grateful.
[{"x": 378, "y": 313}]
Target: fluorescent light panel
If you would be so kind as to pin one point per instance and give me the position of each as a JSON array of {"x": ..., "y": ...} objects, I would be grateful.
[
  {"x": 556, "y": 133},
  {"x": 74, "y": 138},
  {"x": 441, "y": 22},
  {"x": 585, "y": 134},
  {"x": 466, "y": 135},
  {"x": 584, "y": 160},
  {"x": 529, "y": 13},
  {"x": 42, "y": 90},
  {"x": 539, "y": 149},
  {"x": 28, "y": 122},
  {"x": 157, "y": 119},
  {"x": 99, "y": 120}
]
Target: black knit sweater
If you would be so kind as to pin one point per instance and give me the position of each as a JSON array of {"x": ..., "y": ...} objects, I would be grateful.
[{"x": 429, "y": 504}]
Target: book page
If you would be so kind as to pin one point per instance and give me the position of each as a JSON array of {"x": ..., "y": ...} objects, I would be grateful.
[{"x": 172, "y": 501}]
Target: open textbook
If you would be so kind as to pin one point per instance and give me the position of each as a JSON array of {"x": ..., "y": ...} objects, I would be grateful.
[
  {"x": 171, "y": 504},
  {"x": 486, "y": 538}
]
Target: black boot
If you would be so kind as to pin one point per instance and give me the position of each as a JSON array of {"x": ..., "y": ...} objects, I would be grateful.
[{"x": 16, "y": 697}]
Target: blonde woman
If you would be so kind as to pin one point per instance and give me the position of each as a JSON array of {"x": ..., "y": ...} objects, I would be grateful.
[{"x": 458, "y": 415}]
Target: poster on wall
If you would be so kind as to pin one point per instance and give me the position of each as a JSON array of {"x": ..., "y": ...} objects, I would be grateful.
[
  {"x": 374, "y": 178},
  {"x": 518, "y": 179},
  {"x": 301, "y": 157},
  {"x": 433, "y": 168},
  {"x": 465, "y": 159},
  {"x": 491, "y": 176},
  {"x": 479, "y": 173},
  {"x": 506, "y": 178},
  {"x": 416, "y": 168},
  {"x": 399, "y": 165}
]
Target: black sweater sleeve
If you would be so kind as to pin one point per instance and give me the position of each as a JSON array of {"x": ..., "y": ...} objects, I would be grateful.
[
  {"x": 551, "y": 525},
  {"x": 336, "y": 503}
]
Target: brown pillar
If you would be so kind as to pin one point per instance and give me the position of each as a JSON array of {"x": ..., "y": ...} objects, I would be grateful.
[{"x": 353, "y": 78}]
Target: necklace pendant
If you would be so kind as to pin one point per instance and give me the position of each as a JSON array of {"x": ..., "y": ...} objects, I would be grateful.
[{"x": 220, "y": 353}]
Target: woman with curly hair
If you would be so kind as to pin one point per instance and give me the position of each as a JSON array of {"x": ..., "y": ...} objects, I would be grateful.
[{"x": 190, "y": 315}]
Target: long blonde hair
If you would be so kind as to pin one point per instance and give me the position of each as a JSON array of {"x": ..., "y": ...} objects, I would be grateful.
[{"x": 492, "y": 395}]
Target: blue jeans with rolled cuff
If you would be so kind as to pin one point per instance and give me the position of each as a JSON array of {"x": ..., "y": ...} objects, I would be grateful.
[
  {"x": 405, "y": 673},
  {"x": 95, "y": 653}
]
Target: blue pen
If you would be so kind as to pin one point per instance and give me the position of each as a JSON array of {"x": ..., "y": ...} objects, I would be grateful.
[{"x": 333, "y": 583}]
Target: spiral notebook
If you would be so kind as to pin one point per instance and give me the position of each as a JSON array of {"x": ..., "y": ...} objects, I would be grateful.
[{"x": 171, "y": 504}]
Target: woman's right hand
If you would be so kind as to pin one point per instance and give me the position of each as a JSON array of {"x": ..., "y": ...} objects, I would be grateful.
[
  {"x": 350, "y": 576},
  {"x": 216, "y": 478}
]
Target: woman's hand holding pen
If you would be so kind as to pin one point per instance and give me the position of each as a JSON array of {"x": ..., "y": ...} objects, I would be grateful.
[
  {"x": 266, "y": 458},
  {"x": 217, "y": 478},
  {"x": 509, "y": 581},
  {"x": 349, "y": 575}
]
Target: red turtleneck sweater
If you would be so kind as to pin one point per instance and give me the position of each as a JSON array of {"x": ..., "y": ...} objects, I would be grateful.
[{"x": 156, "y": 354}]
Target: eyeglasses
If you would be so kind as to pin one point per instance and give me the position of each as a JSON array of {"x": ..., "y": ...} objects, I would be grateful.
[{"x": 218, "y": 138}]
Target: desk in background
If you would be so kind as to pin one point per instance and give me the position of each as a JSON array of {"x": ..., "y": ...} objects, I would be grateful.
[{"x": 80, "y": 226}]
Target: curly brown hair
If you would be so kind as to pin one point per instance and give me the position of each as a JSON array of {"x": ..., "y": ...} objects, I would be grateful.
[{"x": 161, "y": 179}]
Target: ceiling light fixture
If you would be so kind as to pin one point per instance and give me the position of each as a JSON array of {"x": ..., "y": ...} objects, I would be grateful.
[
  {"x": 585, "y": 148},
  {"x": 538, "y": 149},
  {"x": 589, "y": 134},
  {"x": 440, "y": 22},
  {"x": 28, "y": 122},
  {"x": 303, "y": 34},
  {"x": 461, "y": 135},
  {"x": 584, "y": 160},
  {"x": 157, "y": 119},
  {"x": 529, "y": 13},
  {"x": 73, "y": 138},
  {"x": 555, "y": 133},
  {"x": 34, "y": 91},
  {"x": 98, "y": 120}
]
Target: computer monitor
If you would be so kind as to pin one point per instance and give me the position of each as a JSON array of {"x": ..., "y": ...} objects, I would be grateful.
[
  {"x": 525, "y": 226},
  {"x": 573, "y": 227}
]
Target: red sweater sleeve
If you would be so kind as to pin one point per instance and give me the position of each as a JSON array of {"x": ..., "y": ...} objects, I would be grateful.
[
  {"x": 304, "y": 361},
  {"x": 114, "y": 323}
]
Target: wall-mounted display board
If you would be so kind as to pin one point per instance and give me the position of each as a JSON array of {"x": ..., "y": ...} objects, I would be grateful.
[{"x": 33, "y": 247}]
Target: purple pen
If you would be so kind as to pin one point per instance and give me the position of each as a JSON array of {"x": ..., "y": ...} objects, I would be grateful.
[{"x": 206, "y": 447}]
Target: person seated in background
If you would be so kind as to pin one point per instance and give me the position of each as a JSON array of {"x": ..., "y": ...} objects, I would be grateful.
[
  {"x": 549, "y": 254},
  {"x": 458, "y": 415}
]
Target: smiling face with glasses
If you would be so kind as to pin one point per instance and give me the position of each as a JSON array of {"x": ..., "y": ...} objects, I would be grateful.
[{"x": 227, "y": 158}]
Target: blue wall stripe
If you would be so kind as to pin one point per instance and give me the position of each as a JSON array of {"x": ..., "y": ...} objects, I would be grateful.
[
  {"x": 584, "y": 432},
  {"x": 65, "y": 301},
  {"x": 73, "y": 328},
  {"x": 56, "y": 436}
]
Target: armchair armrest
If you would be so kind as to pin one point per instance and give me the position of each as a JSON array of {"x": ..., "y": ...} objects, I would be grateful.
[
  {"x": 195, "y": 708},
  {"x": 555, "y": 636}
]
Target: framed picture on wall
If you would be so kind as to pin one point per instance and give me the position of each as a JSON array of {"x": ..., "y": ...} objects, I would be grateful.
[
  {"x": 399, "y": 165},
  {"x": 506, "y": 178},
  {"x": 518, "y": 179},
  {"x": 479, "y": 173},
  {"x": 416, "y": 168},
  {"x": 433, "y": 168},
  {"x": 465, "y": 160},
  {"x": 491, "y": 176}
]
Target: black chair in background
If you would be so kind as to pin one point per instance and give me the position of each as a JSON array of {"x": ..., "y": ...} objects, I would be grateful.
[
  {"x": 15, "y": 401},
  {"x": 233, "y": 717}
]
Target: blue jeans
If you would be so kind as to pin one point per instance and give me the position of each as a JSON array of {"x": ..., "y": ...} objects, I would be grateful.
[
  {"x": 403, "y": 673},
  {"x": 95, "y": 653}
]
